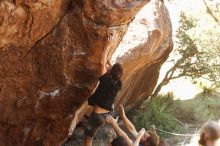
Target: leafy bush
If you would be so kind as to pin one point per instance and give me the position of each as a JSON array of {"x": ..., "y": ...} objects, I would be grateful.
[
  {"x": 157, "y": 112},
  {"x": 208, "y": 90}
]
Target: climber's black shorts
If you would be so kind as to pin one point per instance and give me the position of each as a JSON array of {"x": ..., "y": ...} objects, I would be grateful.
[{"x": 94, "y": 122}]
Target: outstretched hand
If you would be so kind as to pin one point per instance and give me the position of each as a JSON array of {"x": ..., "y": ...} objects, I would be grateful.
[
  {"x": 121, "y": 111},
  {"x": 110, "y": 120},
  {"x": 141, "y": 132},
  {"x": 138, "y": 138}
]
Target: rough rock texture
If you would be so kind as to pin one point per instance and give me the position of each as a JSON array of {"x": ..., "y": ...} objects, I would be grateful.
[
  {"x": 51, "y": 54},
  {"x": 142, "y": 51}
]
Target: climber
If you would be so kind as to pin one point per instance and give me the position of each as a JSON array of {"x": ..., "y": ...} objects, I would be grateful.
[
  {"x": 210, "y": 134},
  {"x": 149, "y": 138},
  {"x": 102, "y": 100}
]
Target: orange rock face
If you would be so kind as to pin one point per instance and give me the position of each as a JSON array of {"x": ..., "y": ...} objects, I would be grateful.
[{"x": 51, "y": 54}]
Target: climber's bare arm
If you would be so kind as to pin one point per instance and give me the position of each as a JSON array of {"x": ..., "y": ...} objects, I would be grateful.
[
  {"x": 105, "y": 67},
  {"x": 109, "y": 64},
  {"x": 138, "y": 138}
]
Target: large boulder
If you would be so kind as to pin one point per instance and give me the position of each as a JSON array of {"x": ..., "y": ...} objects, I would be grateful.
[
  {"x": 145, "y": 46},
  {"x": 52, "y": 52}
]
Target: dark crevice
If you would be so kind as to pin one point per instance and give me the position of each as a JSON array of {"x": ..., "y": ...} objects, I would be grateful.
[{"x": 47, "y": 34}]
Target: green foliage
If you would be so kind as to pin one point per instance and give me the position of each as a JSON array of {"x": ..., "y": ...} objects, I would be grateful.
[
  {"x": 199, "y": 109},
  {"x": 208, "y": 90},
  {"x": 192, "y": 61},
  {"x": 195, "y": 112},
  {"x": 157, "y": 112},
  {"x": 206, "y": 35},
  {"x": 196, "y": 53}
]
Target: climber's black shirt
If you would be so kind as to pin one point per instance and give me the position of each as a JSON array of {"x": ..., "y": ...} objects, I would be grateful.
[{"x": 105, "y": 93}]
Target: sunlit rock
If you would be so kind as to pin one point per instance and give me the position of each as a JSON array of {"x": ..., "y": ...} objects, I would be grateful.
[{"x": 52, "y": 52}]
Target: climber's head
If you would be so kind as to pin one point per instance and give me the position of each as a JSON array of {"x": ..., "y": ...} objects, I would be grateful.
[{"x": 116, "y": 71}]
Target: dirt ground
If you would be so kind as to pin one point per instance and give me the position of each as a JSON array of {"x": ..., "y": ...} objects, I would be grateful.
[{"x": 102, "y": 138}]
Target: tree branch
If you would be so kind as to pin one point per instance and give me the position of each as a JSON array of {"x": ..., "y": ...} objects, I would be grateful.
[{"x": 211, "y": 13}]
